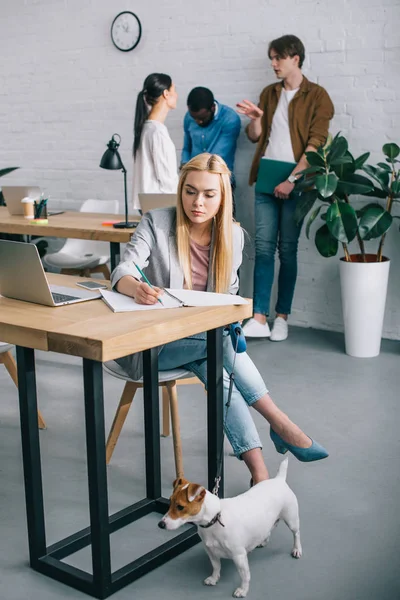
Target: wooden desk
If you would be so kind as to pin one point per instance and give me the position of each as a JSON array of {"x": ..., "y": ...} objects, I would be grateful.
[
  {"x": 85, "y": 226},
  {"x": 90, "y": 330}
]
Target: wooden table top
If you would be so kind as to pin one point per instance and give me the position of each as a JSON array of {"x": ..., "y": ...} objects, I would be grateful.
[
  {"x": 91, "y": 330},
  {"x": 80, "y": 225}
]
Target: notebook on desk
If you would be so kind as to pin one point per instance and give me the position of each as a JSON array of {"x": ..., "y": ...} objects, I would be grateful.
[
  {"x": 271, "y": 173},
  {"x": 171, "y": 299}
]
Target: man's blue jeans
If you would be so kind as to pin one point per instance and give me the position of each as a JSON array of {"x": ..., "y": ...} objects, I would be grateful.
[{"x": 275, "y": 228}]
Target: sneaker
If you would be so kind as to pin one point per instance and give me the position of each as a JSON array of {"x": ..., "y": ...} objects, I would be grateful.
[
  {"x": 254, "y": 329},
  {"x": 280, "y": 330}
]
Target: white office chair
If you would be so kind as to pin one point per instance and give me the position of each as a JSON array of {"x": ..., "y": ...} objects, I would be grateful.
[
  {"x": 84, "y": 257},
  {"x": 167, "y": 380},
  {"x": 7, "y": 359}
]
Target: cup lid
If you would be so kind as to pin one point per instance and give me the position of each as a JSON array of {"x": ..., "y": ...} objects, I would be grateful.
[{"x": 27, "y": 199}]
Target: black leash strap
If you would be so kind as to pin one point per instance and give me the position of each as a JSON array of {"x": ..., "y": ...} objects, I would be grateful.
[{"x": 217, "y": 480}]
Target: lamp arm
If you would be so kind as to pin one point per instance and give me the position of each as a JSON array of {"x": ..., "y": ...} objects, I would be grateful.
[{"x": 125, "y": 190}]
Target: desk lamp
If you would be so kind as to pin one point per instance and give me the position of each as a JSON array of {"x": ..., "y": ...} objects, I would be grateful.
[{"x": 112, "y": 160}]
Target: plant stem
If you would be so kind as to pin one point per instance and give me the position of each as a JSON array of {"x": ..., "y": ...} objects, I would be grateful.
[
  {"x": 359, "y": 240},
  {"x": 346, "y": 253},
  {"x": 389, "y": 205}
]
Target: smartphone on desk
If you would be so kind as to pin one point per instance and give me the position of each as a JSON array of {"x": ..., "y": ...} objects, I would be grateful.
[{"x": 91, "y": 285}]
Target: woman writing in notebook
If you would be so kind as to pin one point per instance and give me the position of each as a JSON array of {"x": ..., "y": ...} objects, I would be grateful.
[
  {"x": 197, "y": 246},
  {"x": 155, "y": 168}
]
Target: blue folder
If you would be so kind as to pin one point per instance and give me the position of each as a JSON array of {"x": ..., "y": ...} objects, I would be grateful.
[{"x": 271, "y": 173}]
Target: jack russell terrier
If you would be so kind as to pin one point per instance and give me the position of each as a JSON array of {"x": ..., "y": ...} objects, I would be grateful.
[{"x": 232, "y": 527}]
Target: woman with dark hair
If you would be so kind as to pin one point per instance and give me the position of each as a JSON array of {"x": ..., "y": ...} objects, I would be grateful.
[{"x": 155, "y": 168}]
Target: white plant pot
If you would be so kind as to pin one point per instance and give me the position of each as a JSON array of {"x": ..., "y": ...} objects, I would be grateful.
[{"x": 364, "y": 288}]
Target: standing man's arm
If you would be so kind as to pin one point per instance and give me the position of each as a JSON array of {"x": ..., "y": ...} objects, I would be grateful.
[
  {"x": 317, "y": 136},
  {"x": 187, "y": 142},
  {"x": 254, "y": 113}
]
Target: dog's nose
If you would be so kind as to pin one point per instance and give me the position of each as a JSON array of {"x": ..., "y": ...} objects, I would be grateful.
[{"x": 161, "y": 524}]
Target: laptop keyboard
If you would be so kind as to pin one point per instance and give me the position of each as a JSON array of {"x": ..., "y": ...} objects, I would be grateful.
[{"x": 58, "y": 298}]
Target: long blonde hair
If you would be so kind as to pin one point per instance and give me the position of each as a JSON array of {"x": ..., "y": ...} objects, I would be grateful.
[{"x": 221, "y": 259}]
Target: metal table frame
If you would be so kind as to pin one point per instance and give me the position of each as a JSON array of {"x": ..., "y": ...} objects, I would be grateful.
[{"x": 48, "y": 559}]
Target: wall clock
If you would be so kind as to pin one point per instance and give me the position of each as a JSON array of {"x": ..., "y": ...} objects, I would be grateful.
[{"x": 126, "y": 31}]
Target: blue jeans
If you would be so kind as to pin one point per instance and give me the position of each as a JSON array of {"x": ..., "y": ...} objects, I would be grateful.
[
  {"x": 275, "y": 227},
  {"x": 191, "y": 353}
]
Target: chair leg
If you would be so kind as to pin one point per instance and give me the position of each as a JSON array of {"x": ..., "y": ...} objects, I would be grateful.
[
  {"x": 176, "y": 430},
  {"x": 120, "y": 416},
  {"x": 165, "y": 412},
  {"x": 8, "y": 360},
  {"x": 104, "y": 270}
]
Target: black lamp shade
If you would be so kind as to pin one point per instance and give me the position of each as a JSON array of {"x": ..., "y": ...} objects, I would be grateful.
[{"x": 111, "y": 160}]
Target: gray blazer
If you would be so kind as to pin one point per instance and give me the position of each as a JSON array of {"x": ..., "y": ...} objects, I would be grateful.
[{"x": 153, "y": 248}]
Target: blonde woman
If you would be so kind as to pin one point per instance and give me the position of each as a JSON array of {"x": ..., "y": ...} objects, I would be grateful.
[{"x": 197, "y": 246}]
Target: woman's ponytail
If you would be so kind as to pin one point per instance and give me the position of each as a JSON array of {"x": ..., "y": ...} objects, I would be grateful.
[{"x": 153, "y": 87}]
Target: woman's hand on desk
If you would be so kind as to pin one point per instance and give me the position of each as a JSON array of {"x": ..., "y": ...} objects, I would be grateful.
[
  {"x": 147, "y": 295},
  {"x": 140, "y": 291}
]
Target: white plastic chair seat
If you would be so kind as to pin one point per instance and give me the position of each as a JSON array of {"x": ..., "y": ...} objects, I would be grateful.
[
  {"x": 84, "y": 254},
  {"x": 113, "y": 368},
  {"x": 66, "y": 260},
  {"x": 4, "y": 347}
]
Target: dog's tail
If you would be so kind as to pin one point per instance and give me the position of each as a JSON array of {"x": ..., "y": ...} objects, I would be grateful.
[{"x": 282, "y": 471}]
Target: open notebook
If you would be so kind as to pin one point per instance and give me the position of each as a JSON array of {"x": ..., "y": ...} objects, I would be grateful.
[{"x": 171, "y": 299}]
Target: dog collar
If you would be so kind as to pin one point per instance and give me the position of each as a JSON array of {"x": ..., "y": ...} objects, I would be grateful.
[{"x": 213, "y": 521}]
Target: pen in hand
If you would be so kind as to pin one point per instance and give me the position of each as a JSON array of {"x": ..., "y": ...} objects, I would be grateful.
[{"x": 147, "y": 281}]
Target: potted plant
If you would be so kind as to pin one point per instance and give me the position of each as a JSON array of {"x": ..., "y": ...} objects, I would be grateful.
[{"x": 332, "y": 177}]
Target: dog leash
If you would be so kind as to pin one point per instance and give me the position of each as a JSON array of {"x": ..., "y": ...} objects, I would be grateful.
[{"x": 236, "y": 334}]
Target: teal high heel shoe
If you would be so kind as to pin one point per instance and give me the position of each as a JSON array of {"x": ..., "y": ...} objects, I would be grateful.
[{"x": 314, "y": 452}]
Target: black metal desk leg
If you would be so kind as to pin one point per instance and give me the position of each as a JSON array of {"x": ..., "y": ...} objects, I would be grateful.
[
  {"x": 97, "y": 476},
  {"x": 31, "y": 454},
  {"x": 151, "y": 423},
  {"x": 115, "y": 255},
  {"x": 215, "y": 405}
]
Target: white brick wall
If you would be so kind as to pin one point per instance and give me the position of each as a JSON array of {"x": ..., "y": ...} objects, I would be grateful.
[{"x": 64, "y": 89}]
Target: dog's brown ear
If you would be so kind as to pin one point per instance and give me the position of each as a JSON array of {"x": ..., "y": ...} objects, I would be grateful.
[
  {"x": 180, "y": 481},
  {"x": 195, "y": 492}
]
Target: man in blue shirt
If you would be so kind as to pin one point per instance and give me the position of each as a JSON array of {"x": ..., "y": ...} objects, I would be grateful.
[{"x": 209, "y": 127}]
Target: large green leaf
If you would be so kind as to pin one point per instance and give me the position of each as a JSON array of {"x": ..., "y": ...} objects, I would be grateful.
[
  {"x": 312, "y": 218},
  {"x": 325, "y": 242},
  {"x": 391, "y": 150},
  {"x": 374, "y": 222},
  {"x": 311, "y": 171},
  {"x": 315, "y": 160},
  {"x": 342, "y": 160},
  {"x": 354, "y": 184},
  {"x": 341, "y": 220},
  {"x": 343, "y": 170},
  {"x": 6, "y": 171},
  {"x": 326, "y": 184},
  {"x": 359, "y": 162},
  {"x": 395, "y": 188},
  {"x": 338, "y": 149},
  {"x": 361, "y": 211},
  {"x": 384, "y": 166},
  {"x": 304, "y": 204},
  {"x": 380, "y": 175},
  {"x": 376, "y": 193}
]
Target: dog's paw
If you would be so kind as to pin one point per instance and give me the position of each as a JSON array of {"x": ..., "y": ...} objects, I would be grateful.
[
  {"x": 211, "y": 580},
  {"x": 297, "y": 552},
  {"x": 240, "y": 592}
]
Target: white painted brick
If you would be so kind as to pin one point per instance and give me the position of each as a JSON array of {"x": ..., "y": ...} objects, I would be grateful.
[{"x": 64, "y": 89}]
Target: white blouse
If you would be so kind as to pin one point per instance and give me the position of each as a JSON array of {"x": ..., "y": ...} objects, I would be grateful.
[{"x": 155, "y": 169}]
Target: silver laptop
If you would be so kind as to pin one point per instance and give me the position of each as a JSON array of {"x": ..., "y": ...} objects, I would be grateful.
[
  {"x": 22, "y": 277},
  {"x": 150, "y": 201},
  {"x": 13, "y": 195}
]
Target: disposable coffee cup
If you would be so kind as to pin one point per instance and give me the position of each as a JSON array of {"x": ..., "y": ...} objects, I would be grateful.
[{"x": 28, "y": 206}]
